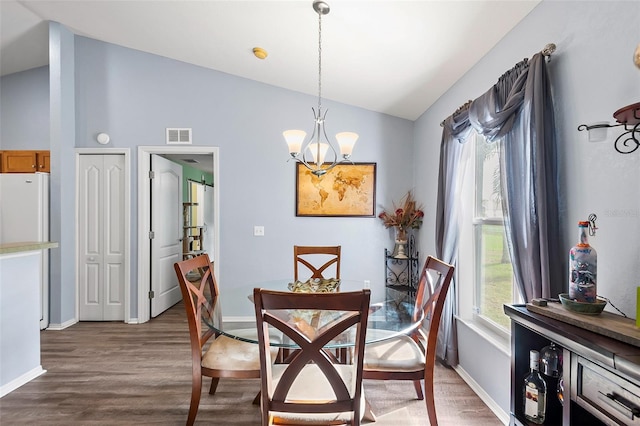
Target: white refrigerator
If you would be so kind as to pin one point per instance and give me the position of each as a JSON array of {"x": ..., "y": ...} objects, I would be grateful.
[{"x": 24, "y": 217}]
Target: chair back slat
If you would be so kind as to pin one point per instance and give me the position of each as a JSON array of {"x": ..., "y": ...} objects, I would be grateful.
[
  {"x": 435, "y": 279},
  {"x": 329, "y": 256},
  {"x": 199, "y": 294}
]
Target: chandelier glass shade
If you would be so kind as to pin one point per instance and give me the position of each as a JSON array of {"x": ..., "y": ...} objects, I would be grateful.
[{"x": 317, "y": 153}]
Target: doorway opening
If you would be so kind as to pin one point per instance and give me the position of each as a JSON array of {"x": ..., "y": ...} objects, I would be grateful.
[{"x": 144, "y": 213}]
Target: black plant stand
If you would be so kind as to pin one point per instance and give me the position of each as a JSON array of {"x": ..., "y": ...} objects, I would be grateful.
[{"x": 401, "y": 274}]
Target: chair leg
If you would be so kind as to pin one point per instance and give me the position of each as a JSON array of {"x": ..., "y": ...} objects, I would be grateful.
[
  {"x": 418, "y": 386},
  {"x": 214, "y": 385},
  {"x": 266, "y": 418},
  {"x": 431, "y": 410},
  {"x": 430, "y": 399},
  {"x": 196, "y": 390}
]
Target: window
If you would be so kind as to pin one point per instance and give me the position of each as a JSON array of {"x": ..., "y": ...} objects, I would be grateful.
[{"x": 492, "y": 270}]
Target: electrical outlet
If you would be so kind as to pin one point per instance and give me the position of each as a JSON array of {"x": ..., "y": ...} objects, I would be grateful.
[
  {"x": 258, "y": 231},
  {"x": 367, "y": 284}
]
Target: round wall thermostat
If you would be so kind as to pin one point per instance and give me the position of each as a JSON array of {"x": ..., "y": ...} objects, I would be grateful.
[{"x": 103, "y": 138}]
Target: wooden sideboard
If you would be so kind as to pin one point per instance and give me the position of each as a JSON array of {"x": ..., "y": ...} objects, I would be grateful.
[
  {"x": 25, "y": 161},
  {"x": 601, "y": 374}
]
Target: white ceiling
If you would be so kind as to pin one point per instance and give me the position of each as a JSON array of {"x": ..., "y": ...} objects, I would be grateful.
[{"x": 394, "y": 57}]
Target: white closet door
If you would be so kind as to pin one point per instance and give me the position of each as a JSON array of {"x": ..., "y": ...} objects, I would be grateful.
[{"x": 101, "y": 237}]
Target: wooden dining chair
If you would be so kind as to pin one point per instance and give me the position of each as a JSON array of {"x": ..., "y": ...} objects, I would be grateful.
[
  {"x": 212, "y": 355},
  {"x": 328, "y": 261},
  {"x": 412, "y": 357},
  {"x": 313, "y": 387}
]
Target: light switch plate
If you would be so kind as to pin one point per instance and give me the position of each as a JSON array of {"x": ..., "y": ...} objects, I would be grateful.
[{"x": 258, "y": 231}]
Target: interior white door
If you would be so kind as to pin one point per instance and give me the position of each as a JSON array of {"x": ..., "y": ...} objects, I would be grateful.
[
  {"x": 166, "y": 227},
  {"x": 101, "y": 233}
]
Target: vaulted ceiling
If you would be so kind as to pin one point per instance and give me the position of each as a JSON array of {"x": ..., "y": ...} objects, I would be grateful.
[{"x": 390, "y": 56}]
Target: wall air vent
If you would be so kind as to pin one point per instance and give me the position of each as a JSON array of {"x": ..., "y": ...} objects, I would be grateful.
[{"x": 178, "y": 136}]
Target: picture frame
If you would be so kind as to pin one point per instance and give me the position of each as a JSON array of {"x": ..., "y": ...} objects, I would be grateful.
[{"x": 347, "y": 190}]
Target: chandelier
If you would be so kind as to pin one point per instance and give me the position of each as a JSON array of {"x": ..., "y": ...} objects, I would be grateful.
[{"x": 318, "y": 146}]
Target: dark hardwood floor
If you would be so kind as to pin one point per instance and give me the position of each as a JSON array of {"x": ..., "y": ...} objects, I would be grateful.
[{"x": 110, "y": 373}]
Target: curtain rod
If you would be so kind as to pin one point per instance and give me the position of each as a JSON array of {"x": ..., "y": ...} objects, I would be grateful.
[
  {"x": 547, "y": 51},
  {"x": 460, "y": 108}
]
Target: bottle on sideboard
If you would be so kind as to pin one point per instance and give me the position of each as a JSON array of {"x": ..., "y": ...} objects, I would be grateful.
[
  {"x": 535, "y": 391},
  {"x": 583, "y": 264}
]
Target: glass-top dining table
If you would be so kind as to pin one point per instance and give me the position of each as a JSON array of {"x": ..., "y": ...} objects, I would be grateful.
[{"x": 390, "y": 314}]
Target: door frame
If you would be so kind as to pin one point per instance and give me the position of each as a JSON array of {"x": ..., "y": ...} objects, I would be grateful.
[
  {"x": 127, "y": 223},
  {"x": 144, "y": 216}
]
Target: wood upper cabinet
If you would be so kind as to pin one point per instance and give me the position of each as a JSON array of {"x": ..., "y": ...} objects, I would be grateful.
[
  {"x": 24, "y": 161},
  {"x": 43, "y": 161}
]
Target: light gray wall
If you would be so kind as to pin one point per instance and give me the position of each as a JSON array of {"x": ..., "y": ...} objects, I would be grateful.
[
  {"x": 593, "y": 75},
  {"x": 133, "y": 96},
  {"x": 24, "y": 106}
]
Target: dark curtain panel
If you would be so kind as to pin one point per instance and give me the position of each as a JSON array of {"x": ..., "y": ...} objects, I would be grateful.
[
  {"x": 516, "y": 112},
  {"x": 456, "y": 130}
]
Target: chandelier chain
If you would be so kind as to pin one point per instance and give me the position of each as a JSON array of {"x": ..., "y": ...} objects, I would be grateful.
[
  {"x": 319, "y": 61},
  {"x": 318, "y": 145}
]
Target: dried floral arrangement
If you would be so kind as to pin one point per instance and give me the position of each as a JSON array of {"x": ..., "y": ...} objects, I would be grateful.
[{"x": 408, "y": 216}]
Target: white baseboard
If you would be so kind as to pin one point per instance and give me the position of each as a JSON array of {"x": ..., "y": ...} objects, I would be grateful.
[
  {"x": 19, "y": 381},
  {"x": 66, "y": 324},
  {"x": 231, "y": 319},
  {"x": 58, "y": 327},
  {"x": 495, "y": 408}
]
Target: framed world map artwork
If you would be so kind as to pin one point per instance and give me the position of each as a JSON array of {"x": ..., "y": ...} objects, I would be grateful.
[{"x": 348, "y": 189}]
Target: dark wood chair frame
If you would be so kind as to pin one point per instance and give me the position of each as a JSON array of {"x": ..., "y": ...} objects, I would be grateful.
[
  {"x": 429, "y": 304},
  {"x": 356, "y": 311},
  {"x": 199, "y": 298},
  {"x": 317, "y": 271}
]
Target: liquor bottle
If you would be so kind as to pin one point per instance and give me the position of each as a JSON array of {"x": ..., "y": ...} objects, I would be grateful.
[
  {"x": 535, "y": 391},
  {"x": 583, "y": 264},
  {"x": 551, "y": 360}
]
